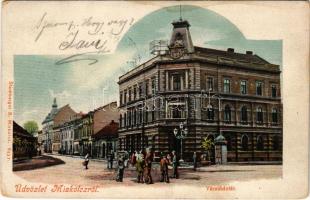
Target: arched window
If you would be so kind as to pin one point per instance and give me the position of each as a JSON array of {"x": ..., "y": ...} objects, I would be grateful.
[
  {"x": 260, "y": 143},
  {"x": 244, "y": 142},
  {"x": 210, "y": 113},
  {"x": 275, "y": 143},
  {"x": 259, "y": 115},
  {"x": 274, "y": 115},
  {"x": 244, "y": 114},
  {"x": 227, "y": 114}
]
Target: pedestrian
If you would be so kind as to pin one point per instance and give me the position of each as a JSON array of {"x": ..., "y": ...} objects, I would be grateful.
[
  {"x": 164, "y": 162},
  {"x": 39, "y": 151},
  {"x": 169, "y": 157},
  {"x": 133, "y": 159},
  {"x": 195, "y": 161},
  {"x": 175, "y": 165},
  {"x": 140, "y": 164},
  {"x": 120, "y": 169},
  {"x": 110, "y": 160},
  {"x": 148, "y": 164},
  {"x": 126, "y": 159},
  {"x": 86, "y": 160}
]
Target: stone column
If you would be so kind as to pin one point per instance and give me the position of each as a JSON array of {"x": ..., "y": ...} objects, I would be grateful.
[
  {"x": 186, "y": 79},
  {"x": 167, "y": 81}
]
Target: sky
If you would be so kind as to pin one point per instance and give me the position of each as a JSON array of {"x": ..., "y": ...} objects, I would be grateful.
[{"x": 85, "y": 87}]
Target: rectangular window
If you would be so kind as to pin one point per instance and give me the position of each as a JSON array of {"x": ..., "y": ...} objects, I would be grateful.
[
  {"x": 121, "y": 98},
  {"x": 134, "y": 93},
  {"x": 273, "y": 91},
  {"x": 134, "y": 117},
  {"x": 146, "y": 88},
  {"x": 226, "y": 85},
  {"x": 146, "y": 117},
  {"x": 129, "y": 94},
  {"x": 125, "y": 96},
  {"x": 140, "y": 90},
  {"x": 176, "y": 82},
  {"x": 243, "y": 87},
  {"x": 176, "y": 111},
  {"x": 259, "y": 88},
  {"x": 153, "y": 113},
  {"x": 140, "y": 116},
  {"x": 274, "y": 117},
  {"x": 129, "y": 118},
  {"x": 210, "y": 83},
  {"x": 153, "y": 86},
  {"x": 259, "y": 115}
]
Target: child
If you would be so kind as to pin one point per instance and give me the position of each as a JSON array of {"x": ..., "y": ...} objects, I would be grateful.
[{"x": 86, "y": 160}]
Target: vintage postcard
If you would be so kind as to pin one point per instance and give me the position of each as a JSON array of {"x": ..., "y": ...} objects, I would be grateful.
[{"x": 161, "y": 100}]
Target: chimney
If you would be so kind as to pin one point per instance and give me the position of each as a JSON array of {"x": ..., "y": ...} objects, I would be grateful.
[
  {"x": 231, "y": 50},
  {"x": 249, "y": 52}
]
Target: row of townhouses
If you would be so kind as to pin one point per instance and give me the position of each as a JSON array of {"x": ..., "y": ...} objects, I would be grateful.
[{"x": 65, "y": 131}]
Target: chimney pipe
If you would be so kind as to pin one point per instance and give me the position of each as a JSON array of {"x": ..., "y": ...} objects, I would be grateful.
[{"x": 230, "y": 50}]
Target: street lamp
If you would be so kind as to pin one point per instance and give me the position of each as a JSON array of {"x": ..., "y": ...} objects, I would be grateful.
[{"x": 180, "y": 134}]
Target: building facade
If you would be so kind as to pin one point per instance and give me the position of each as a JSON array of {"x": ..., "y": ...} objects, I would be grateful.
[
  {"x": 211, "y": 92},
  {"x": 51, "y": 126},
  {"x": 82, "y": 134},
  {"x": 105, "y": 140},
  {"x": 67, "y": 134},
  {"x": 24, "y": 144},
  {"x": 91, "y": 124}
]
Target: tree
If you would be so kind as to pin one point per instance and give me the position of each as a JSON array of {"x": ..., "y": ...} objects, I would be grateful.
[
  {"x": 31, "y": 127},
  {"x": 207, "y": 144}
]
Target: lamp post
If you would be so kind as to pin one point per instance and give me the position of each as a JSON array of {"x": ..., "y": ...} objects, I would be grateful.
[{"x": 180, "y": 134}]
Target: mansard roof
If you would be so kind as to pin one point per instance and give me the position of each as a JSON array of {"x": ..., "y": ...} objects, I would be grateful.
[
  {"x": 230, "y": 54},
  {"x": 230, "y": 58}
]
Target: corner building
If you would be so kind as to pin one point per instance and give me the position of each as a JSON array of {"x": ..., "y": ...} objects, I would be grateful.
[{"x": 212, "y": 92}]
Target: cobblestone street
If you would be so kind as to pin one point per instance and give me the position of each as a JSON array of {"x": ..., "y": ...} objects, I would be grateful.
[{"x": 72, "y": 172}]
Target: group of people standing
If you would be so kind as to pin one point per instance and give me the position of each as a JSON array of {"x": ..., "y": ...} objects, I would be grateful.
[{"x": 143, "y": 163}]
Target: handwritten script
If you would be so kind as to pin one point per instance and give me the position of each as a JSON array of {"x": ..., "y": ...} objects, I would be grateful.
[{"x": 87, "y": 36}]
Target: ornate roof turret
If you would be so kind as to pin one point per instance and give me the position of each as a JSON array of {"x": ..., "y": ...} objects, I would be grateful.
[
  {"x": 52, "y": 113},
  {"x": 181, "y": 36},
  {"x": 54, "y": 103}
]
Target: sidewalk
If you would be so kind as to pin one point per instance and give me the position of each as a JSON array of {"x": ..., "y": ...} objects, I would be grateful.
[
  {"x": 75, "y": 156},
  {"x": 36, "y": 162}
]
